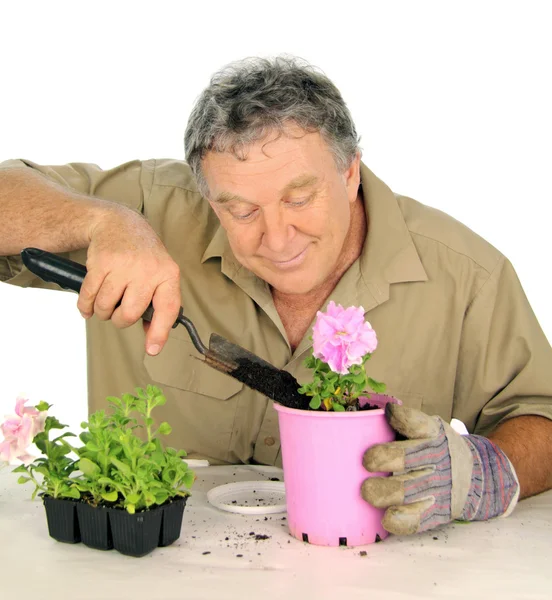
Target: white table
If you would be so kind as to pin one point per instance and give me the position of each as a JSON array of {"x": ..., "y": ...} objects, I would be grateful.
[{"x": 504, "y": 558}]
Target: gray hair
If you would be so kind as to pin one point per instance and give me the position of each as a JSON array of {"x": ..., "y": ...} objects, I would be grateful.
[{"x": 248, "y": 99}]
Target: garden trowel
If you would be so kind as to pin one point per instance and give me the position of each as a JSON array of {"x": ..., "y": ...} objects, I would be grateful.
[{"x": 221, "y": 354}]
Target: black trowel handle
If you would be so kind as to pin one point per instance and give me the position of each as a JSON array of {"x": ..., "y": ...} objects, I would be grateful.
[
  {"x": 69, "y": 275},
  {"x": 55, "y": 269}
]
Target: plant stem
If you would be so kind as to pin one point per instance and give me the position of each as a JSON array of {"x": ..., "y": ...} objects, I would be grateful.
[
  {"x": 35, "y": 481},
  {"x": 148, "y": 414}
]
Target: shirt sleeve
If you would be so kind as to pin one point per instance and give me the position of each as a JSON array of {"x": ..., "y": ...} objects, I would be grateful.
[
  {"x": 128, "y": 184},
  {"x": 505, "y": 360}
]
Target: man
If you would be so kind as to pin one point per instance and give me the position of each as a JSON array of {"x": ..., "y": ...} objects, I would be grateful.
[{"x": 274, "y": 217}]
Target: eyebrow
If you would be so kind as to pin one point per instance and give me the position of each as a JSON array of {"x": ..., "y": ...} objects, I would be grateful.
[{"x": 299, "y": 182}]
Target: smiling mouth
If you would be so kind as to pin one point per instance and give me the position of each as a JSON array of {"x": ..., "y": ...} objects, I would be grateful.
[{"x": 292, "y": 261}]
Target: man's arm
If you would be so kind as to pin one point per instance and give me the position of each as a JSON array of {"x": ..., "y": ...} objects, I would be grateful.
[
  {"x": 126, "y": 260},
  {"x": 527, "y": 442},
  {"x": 38, "y": 212}
]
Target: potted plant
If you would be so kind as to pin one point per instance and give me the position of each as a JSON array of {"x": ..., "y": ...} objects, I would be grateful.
[
  {"x": 132, "y": 487},
  {"x": 20, "y": 430},
  {"x": 124, "y": 489},
  {"x": 322, "y": 448}
]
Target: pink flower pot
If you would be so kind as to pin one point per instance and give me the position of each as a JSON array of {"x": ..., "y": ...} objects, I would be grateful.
[{"x": 323, "y": 473}]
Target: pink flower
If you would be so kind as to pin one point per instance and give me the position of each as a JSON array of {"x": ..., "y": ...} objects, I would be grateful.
[
  {"x": 19, "y": 431},
  {"x": 341, "y": 337}
]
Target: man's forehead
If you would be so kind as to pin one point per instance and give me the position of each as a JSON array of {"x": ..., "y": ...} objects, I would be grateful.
[{"x": 304, "y": 180}]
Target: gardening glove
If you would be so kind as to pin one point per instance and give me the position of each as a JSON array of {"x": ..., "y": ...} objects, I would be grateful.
[{"x": 438, "y": 475}]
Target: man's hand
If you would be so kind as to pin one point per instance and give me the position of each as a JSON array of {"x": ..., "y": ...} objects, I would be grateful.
[
  {"x": 127, "y": 261},
  {"x": 438, "y": 475}
]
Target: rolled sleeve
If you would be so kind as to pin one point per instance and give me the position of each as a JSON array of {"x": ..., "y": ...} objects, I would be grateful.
[
  {"x": 128, "y": 184},
  {"x": 505, "y": 360}
]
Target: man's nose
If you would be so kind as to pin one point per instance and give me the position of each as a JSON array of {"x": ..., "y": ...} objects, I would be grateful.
[{"x": 277, "y": 233}]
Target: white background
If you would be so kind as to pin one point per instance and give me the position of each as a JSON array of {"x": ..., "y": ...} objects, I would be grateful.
[{"x": 452, "y": 99}]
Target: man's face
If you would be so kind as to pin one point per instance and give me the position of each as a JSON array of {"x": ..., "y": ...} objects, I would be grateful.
[{"x": 286, "y": 209}]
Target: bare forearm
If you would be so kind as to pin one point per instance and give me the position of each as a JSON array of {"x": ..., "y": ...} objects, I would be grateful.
[
  {"x": 34, "y": 211},
  {"x": 527, "y": 442}
]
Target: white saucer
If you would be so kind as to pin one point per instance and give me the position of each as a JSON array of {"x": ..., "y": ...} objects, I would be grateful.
[{"x": 249, "y": 497}]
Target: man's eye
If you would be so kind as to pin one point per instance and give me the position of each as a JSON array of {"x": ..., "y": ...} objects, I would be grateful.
[
  {"x": 299, "y": 201},
  {"x": 243, "y": 216}
]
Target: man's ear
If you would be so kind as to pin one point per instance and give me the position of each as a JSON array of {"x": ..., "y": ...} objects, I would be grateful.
[{"x": 351, "y": 177}]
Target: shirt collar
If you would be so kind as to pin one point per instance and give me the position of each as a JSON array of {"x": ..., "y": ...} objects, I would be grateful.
[{"x": 389, "y": 254}]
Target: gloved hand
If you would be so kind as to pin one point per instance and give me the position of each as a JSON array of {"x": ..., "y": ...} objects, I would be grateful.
[{"x": 438, "y": 475}]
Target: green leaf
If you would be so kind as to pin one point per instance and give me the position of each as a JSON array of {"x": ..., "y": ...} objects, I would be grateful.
[
  {"x": 315, "y": 402},
  {"x": 140, "y": 406},
  {"x": 161, "y": 496},
  {"x": 64, "y": 435},
  {"x": 160, "y": 399},
  {"x": 20, "y": 469},
  {"x": 53, "y": 423},
  {"x": 338, "y": 407},
  {"x": 141, "y": 394},
  {"x": 71, "y": 492},
  {"x": 189, "y": 479},
  {"x": 114, "y": 401},
  {"x": 133, "y": 498},
  {"x": 110, "y": 496},
  {"x": 109, "y": 482},
  {"x": 377, "y": 386},
  {"x": 40, "y": 441},
  {"x": 158, "y": 457},
  {"x": 23, "y": 479},
  {"x": 89, "y": 468},
  {"x": 125, "y": 469},
  {"x": 59, "y": 451},
  {"x": 131, "y": 509},
  {"x": 164, "y": 428},
  {"x": 42, "y": 406},
  {"x": 129, "y": 399}
]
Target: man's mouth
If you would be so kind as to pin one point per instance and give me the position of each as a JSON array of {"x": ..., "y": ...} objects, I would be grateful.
[{"x": 291, "y": 262}]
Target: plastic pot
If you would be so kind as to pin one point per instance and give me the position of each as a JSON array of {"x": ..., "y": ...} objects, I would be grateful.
[
  {"x": 172, "y": 521},
  {"x": 94, "y": 526},
  {"x": 103, "y": 528},
  {"x": 323, "y": 474},
  {"x": 137, "y": 534},
  {"x": 61, "y": 515}
]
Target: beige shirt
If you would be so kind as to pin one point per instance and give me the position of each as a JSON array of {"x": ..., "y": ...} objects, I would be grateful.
[{"x": 457, "y": 336}]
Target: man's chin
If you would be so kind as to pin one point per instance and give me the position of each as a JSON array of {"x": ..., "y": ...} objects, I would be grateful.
[
  {"x": 296, "y": 282},
  {"x": 296, "y": 285}
]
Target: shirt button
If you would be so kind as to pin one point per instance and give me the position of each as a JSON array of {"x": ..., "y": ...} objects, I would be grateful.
[{"x": 270, "y": 441}]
